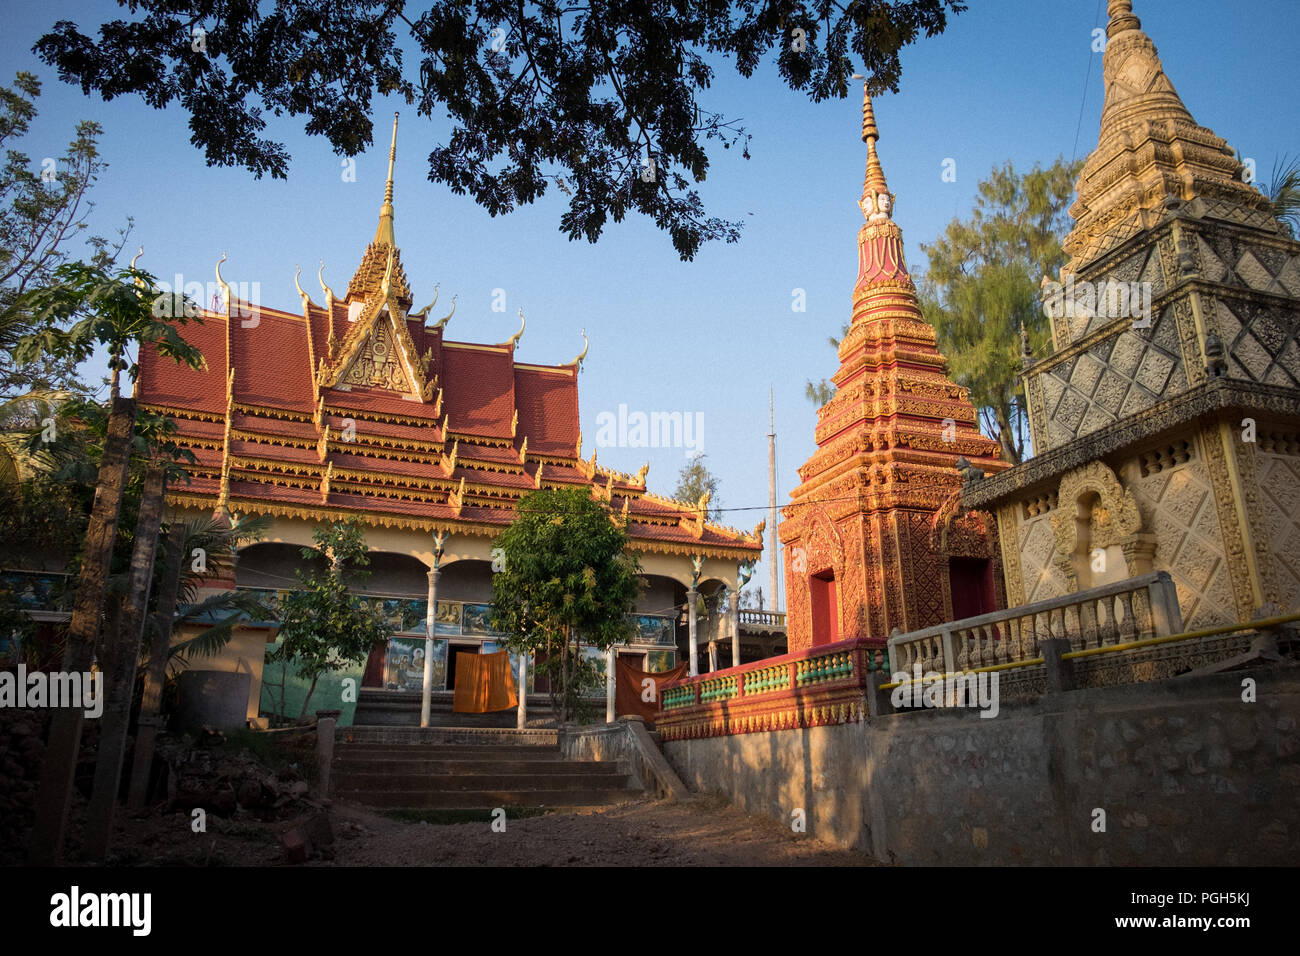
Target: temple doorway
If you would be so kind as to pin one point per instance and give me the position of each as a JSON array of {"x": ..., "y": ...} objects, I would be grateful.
[
  {"x": 970, "y": 581},
  {"x": 825, "y": 608}
]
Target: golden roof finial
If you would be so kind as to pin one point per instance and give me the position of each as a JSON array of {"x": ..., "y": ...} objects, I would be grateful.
[
  {"x": 385, "y": 232},
  {"x": 877, "y": 200},
  {"x": 514, "y": 339},
  {"x": 139, "y": 282},
  {"x": 870, "y": 132},
  {"x": 225, "y": 288}
]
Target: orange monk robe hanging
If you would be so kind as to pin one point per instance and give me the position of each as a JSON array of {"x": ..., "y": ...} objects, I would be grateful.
[
  {"x": 631, "y": 691},
  {"x": 484, "y": 683}
]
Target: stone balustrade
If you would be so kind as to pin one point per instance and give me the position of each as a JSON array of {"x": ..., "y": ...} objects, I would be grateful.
[
  {"x": 762, "y": 618},
  {"x": 823, "y": 685},
  {"x": 1118, "y": 613}
]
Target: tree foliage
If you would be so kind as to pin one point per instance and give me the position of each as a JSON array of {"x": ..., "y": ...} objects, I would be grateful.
[
  {"x": 567, "y": 579},
  {"x": 982, "y": 285},
  {"x": 323, "y": 626},
  {"x": 87, "y": 307},
  {"x": 693, "y": 481},
  {"x": 819, "y": 393},
  {"x": 1283, "y": 192},
  {"x": 44, "y": 209},
  {"x": 583, "y": 96}
]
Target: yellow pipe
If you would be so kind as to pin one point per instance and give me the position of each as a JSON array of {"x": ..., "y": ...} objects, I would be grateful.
[{"x": 1148, "y": 642}]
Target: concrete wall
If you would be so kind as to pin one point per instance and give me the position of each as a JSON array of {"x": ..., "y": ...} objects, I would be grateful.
[
  {"x": 607, "y": 742},
  {"x": 1186, "y": 772}
]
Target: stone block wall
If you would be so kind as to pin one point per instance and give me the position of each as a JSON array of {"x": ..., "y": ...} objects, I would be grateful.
[{"x": 1186, "y": 772}]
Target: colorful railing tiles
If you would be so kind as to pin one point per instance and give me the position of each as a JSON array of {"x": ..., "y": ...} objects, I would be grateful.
[{"x": 824, "y": 685}]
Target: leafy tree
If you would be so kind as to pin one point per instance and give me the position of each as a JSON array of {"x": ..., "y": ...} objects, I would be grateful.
[
  {"x": 43, "y": 209},
  {"x": 584, "y": 96},
  {"x": 694, "y": 481},
  {"x": 88, "y": 308},
  {"x": 982, "y": 286},
  {"x": 567, "y": 580},
  {"x": 1283, "y": 191},
  {"x": 324, "y": 627},
  {"x": 819, "y": 393}
]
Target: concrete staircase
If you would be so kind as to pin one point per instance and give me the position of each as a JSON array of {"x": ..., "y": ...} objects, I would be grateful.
[{"x": 469, "y": 769}]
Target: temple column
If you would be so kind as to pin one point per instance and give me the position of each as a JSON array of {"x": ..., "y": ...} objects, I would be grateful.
[
  {"x": 735, "y": 628},
  {"x": 609, "y": 685},
  {"x": 691, "y": 596},
  {"x": 522, "y": 718},
  {"x": 426, "y": 695}
]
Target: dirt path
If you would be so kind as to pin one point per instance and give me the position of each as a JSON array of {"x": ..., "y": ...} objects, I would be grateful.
[{"x": 704, "y": 832}]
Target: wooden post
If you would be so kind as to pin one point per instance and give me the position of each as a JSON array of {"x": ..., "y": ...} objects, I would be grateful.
[
  {"x": 59, "y": 765},
  {"x": 151, "y": 701},
  {"x": 126, "y": 658},
  {"x": 324, "y": 751}
]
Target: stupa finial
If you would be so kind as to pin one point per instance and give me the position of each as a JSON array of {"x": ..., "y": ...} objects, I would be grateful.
[
  {"x": 385, "y": 232},
  {"x": 1121, "y": 17},
  {"x": 877, "y": 201}
]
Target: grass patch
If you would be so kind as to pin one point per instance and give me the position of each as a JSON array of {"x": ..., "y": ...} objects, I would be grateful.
[{"x": 446, "y": 817}]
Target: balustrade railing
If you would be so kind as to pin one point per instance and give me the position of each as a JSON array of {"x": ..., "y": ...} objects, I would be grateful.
[
  {"x": 821, "y": 685},
  {"x": 1131, "y": 610},
  {"x": 762, "y": 618}
]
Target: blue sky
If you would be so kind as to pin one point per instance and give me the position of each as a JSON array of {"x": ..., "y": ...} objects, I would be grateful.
[{"x": 1008, "y": 80}]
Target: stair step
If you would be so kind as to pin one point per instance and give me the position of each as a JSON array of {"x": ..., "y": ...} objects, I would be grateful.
[
  {"x": 488, "y": 799},
  {"x": 448, "y": 736},
  {"x": 433, "y": 752},
  {"x": 391, "y": 765},
  {"x": 443, "y": 782}
]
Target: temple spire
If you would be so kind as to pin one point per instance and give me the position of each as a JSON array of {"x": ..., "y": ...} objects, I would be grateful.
[
  {"x": 882, "y": 272},
  {"x": 385, "y": 232},
  {"x": 877, "y": 200},
  {"x": 376, "y": 267},
  {"x": 1148, "y": 148}
]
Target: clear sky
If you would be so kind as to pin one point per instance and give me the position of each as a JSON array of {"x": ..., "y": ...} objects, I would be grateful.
[{"x": 1008, "y": 80}]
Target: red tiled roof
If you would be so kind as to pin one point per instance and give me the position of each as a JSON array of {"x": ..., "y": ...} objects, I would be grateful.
[
  {"x": 478, "y": 390},
  {"x": 548, "y": 409},
  {"x": 270, "y": 362},
  {"x": 482, "y": 390},
  {"x": 166, "y": 382},
  {"x": 379, "y": 402}
]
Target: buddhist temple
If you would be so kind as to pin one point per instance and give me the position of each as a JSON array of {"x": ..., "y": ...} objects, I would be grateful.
[
  {"x": 874, "y": 539},
  {"x": 357, "y": 406},
  {"x": 1166, "y": 438}
]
